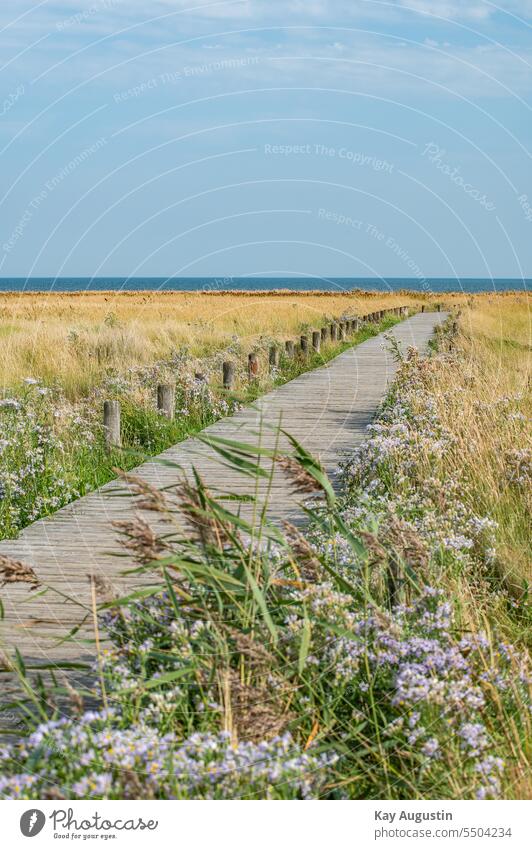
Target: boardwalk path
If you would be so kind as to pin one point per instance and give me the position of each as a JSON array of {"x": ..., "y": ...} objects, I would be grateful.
[{"x": 327, "y": 410}]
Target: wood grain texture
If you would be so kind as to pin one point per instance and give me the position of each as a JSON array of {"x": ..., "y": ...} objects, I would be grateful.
[{"x": 327, "y": 410}]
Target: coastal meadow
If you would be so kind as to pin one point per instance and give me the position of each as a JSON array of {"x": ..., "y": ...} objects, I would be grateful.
[
  {"x": 52, "y": 445},
  {"x": 77, "y": 340}
]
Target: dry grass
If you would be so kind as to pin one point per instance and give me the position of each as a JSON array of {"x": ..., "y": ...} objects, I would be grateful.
[
  {"x": 75, "y": 338},
  {"x": 486, "y": 402}
]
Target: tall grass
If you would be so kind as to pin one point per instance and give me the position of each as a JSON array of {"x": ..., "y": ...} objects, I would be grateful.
[
  {"x": 484, "y": 398},
  {"x": 76, "y": 340},
  {"x": 52, "y": 450}
]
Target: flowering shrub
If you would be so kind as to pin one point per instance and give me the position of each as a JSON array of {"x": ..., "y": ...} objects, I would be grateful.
[
  {"x": 418, "y": 525},
  {"x": 434, "y": 692},
  {"x": 37, "y": 471},
  {"x": 52, "y": 451},
  {"x": 105, "y": 760},
  {"x": 398, "y": 471}
]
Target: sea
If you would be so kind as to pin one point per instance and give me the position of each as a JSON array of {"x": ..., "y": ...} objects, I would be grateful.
[{"x": 256, "y": 284}]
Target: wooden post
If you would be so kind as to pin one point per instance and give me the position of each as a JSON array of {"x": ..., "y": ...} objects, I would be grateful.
[
  {"x": 341, "y": 331},
  {"x": 253, "y": 366},
  {"x": 304, "y": 345},
  {"x": 166, "y": 400},
  {"x": 334, "y": 332},
  {"x": 356, "y": 325},
  {"x": 316, "y": 340},
  {"x": 273, "y": 358},
  {"x": 111, "y": 424},
  {"x": 439, "y": 307},
  {"x": 228, "y": 370},
  {"x": 289, "y": 348},
  {"x": 422, "y": 307},
  {"x": 324, "y": 334}
]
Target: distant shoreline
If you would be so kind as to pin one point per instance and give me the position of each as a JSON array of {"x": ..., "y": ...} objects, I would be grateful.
[
  {"x": 253, "y": 293},
  {"x": 261, "y": 285}
]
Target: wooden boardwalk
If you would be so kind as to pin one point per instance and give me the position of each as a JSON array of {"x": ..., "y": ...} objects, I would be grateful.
[{"x": 327, "y": 410}]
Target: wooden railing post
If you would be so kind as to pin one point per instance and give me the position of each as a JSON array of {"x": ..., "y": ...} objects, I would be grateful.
[
  {"x": 316, "y": 340},
  {"x": 324, "y": 334},
  {"x": 341, "y": 331},
  {"x": 228, "y": 371},
  {"x": 304, "y": 345},
  {"x": 273, "y": 357},
  {"x": 111, "y": 424},
  {"x": 289, "y": 348},
  {"x": 334, "y": 332},
  {"x": 166, "y": 400}
]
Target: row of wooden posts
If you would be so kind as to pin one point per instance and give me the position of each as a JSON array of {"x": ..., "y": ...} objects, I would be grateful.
[{"x": 337, "y": 331}]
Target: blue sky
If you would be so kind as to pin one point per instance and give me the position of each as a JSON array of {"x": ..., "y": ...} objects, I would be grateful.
[{"x": 313, "y": 137}]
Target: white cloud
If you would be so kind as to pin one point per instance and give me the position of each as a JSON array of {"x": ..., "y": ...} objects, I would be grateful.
[
  {"x": 333, "y": 11},
  {"x": 448, "y": 9},
  {"x": 78, "y": 51}
]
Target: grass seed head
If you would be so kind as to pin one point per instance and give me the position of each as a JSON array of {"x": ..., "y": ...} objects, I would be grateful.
[
  {"x": 15, "y": 572},
  {"x": 302, "y": 482},
  {"x": 140, "y": 538},
  {"x": 304, "y": 555},
  {"x": 150, "y": 498}
]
